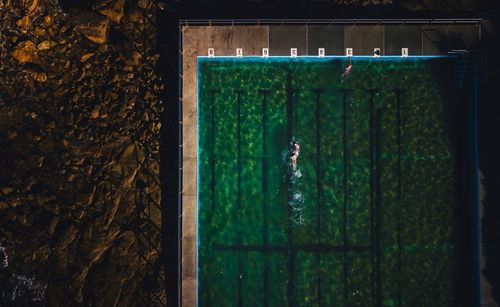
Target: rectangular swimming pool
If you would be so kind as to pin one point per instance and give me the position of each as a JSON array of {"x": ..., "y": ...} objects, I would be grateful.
[{"x": 371, "y": 213}]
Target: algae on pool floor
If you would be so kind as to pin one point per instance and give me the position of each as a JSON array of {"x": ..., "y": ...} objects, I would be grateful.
[{"x": 376, "y": 221}]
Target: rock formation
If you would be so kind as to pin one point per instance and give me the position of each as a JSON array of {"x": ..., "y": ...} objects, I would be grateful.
[{"x": 79, "y": 119}]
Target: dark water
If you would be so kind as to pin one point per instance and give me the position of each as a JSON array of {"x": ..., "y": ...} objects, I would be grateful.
[{"x": 367, "y": 219}]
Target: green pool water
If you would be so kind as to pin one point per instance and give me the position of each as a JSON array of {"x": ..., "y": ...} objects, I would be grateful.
[{"x": 370, "y": 221}]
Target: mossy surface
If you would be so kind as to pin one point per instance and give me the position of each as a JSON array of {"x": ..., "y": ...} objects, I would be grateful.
[{"x": 369, "y": 234}]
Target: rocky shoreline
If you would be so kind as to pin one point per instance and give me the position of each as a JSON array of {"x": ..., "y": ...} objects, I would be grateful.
[{"x": 79, "y": 114}]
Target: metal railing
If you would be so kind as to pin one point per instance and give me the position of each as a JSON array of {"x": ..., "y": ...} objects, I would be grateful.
[{"x": 264, "y": 22}]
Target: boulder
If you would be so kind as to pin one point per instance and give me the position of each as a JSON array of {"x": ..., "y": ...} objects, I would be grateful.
[
  {"x": 113, "y": 9},
  {"x": 24, "y": 23},
  {"x": 46, "y": 45},
  {"x": 29, "y": 6},
  {"x": 93, "y": 26},
  {"x": 26, "y": 52}
]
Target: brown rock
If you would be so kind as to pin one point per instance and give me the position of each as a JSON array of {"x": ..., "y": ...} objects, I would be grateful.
[
  {"x": 144, "y": 4},
  {"x": 24, "y": 23},
  {"x": 41, "y": 253},
  {"x": 45, "y": 45},
  {"x": 26, "y": 52},
  {"x": 29, "y": 5},
  {"x": 63, "y": 29},
  {"x": 134, "y": 59},
  {"x": 40, "y": 31},
  {"x": 53, "y": 224},
  {"x": 103, "y": 48},
  {"x": 47, "y": 20},
  {"x": 7, "y": 190},
  {"x": 67, "y": 236},
  {"x": 113, "y": 9},
  {"x": 22, "y": 219},
  {"x": 86, "y": 56},
  {"x": 3, "y": 205},
  {"x": 9, "y": 92},
  {"x": 93, "y": 26},
  {"x": 95, "y": 112},
  {"x": 12, "y": 135},
  {"x": 134, "y": 16},
  {"x": 40, "y": 77}
]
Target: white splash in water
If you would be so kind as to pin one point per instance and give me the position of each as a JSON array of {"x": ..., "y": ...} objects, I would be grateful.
[{"x": 293, "y": 176}]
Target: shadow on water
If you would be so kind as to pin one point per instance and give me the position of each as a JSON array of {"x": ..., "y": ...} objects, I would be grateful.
[
  {"x": 489, "y": 153},
  {"x": 458, "y": 125}
]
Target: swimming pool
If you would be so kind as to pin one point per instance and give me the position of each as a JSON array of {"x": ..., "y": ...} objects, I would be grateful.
[{"x": 369, "y": 217}]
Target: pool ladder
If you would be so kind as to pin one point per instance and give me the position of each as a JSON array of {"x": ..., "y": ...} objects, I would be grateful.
[{"x": 464, "y": 69}]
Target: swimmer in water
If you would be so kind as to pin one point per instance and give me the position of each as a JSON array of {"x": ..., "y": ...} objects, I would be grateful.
[
  {"x": 347, "y": 71},
  {"x": 294, "y": 154}
]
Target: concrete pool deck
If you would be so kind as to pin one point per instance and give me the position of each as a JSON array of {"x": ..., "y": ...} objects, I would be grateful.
[{"x": 195, "y": 41}]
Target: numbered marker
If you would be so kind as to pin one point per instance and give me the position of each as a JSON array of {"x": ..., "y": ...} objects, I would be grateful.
[
  {"x": 348, "y": 51},
  {"x": 211, "y": 52},
  {"x": 239, "y": 52},
  {"x": 376, "y": 52},
  {"x": 265, "y": 52},
  {"x": 321, "y": 52},
  {"x": 404, "y": 52},
  {"x": 293, "y": 52}
]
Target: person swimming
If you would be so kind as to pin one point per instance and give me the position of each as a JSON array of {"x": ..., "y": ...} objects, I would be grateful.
[
  {"x": 294, "y": 154},
  {"x": 347, "y": 71}
]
